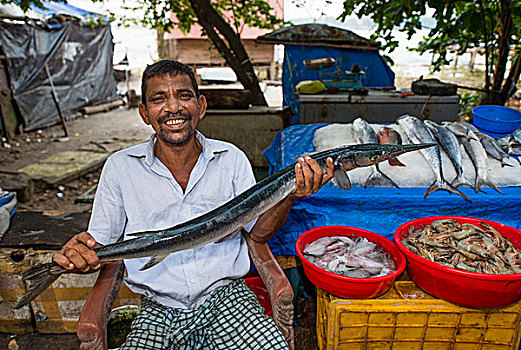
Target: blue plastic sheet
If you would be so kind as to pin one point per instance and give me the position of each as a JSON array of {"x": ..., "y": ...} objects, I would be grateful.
[
  {"x": 377, "y": 209},
  {"x": 377, "y": 72}
]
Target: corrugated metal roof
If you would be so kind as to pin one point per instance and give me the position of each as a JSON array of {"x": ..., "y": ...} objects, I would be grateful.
[{"x": 317, "y": 35}]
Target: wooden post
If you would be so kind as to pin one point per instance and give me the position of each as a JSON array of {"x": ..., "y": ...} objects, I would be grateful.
[{"x": 56, "y": 102}]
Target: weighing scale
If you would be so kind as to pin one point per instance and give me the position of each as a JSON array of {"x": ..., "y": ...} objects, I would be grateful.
[{"x": 342, "y": 80}]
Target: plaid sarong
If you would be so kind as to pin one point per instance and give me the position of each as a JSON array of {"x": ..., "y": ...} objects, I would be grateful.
[{"x": 231, "y": 318}]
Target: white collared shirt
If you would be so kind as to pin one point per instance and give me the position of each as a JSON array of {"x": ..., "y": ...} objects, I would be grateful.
[{"x": 137, "y": 193}]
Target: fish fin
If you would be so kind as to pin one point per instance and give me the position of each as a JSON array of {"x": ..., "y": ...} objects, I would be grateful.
[
  {"x": 153, "y": 261},
  {"x": 488, "y": 182},
  {"x": 394, "y": 161},
  {"x": 444, "y": 185},
  {"x": 40, "y": 277},
  {"x": 378, "y": 178},
  {"x": 342, "y": 180}
]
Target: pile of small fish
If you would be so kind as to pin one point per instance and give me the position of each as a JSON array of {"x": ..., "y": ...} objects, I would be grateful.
[
  {"x": 511, "y": 144},
  {"x": 475, "y": 248},
  {"x": 454, "y": 138},
  {"x": 349, "y": 256}
]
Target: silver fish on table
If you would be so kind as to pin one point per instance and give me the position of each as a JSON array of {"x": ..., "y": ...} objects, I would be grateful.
[
  {"x": 418, "y": 133},
  {"x": 449, "y": 143},
  {"x": 479, "y": 158},
  {"x": 224, "y": 221},
  {"x": 491, "y": 146},
  {"x": 365, "y": 134},
  {"x": 389, "y": 136},
  {"x": 458, "y": 129}
]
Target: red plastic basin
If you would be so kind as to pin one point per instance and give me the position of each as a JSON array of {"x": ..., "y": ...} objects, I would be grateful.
[
  {"x": 258, "y": 287},
  {"x": 344, "y": 286},
  {"x": 461, "y": 287}
]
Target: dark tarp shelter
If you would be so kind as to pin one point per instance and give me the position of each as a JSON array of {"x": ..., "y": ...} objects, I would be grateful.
[
  {"x": 76, "y": 56},
  {"x": 312, "y": 41}
]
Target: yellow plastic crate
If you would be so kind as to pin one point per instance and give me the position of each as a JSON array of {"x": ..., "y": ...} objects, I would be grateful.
[{"x": 408, "y": 318}]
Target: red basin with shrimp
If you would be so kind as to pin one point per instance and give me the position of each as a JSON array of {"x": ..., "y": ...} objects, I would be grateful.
[
  {"x": 461, "y": 287},
  {"x": 345, "y": 286}
]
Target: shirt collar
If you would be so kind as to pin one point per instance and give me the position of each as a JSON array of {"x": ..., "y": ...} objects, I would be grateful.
[{"x": 210, "y": 149}]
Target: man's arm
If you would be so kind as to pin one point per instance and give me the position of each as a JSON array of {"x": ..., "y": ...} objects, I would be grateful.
[{"x": 310, "y": 178}]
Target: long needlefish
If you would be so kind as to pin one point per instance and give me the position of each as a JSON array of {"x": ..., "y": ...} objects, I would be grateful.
[
  {"x": 365, "y": 134},
  {"x": 389, "y": 136},
  {"x": 418, "y": 133},
  {"x": 449, "y": 143},
  {"x": 224, "y": 221}
]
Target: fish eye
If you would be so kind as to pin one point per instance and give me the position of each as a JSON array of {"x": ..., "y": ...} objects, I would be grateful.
[{"x": 374, "y": 158}]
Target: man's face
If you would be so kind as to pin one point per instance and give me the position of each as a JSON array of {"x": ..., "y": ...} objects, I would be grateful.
[{"x": 172, "y": 108}]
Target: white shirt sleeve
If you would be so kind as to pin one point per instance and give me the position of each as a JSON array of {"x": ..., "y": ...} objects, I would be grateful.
[{"x": 108, "y": 218}]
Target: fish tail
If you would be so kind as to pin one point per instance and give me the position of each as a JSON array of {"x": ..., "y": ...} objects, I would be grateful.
[
  {"x": 444, "y": 185},
  {"x": 488, "y": 182},
  {"x": 378, "y": 178},
  {"x": 461, "y": 181},
  {"x": 503, "y": 162},
  {"x": 40, "y": 277}
]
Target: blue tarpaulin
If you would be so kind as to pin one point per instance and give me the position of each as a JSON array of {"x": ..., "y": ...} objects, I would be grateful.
[
  {"x": 62, "y": 8},
  {"x": 377, "y": 209},
  {"x": 376, "y": 71}
]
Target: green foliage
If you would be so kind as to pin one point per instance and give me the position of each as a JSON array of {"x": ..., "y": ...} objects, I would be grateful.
[
  {"x": 467, "y": 101},
  {"x": 238, "y": 13},
  {"x": 462, "y": 23},
  {"x": 24, "y": 4}
]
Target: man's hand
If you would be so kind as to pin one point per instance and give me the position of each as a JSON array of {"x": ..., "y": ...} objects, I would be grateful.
[
  {"x": 310, "y": 177},
  {"x": 77, "y": 254}
]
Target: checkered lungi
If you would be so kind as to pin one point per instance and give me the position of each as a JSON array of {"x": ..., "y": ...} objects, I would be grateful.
[{"x": 231, "y": 318}]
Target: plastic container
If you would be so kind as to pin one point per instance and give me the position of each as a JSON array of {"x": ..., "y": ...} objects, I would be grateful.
[
  {"x": 408, "y": 318},
  {"x": 344, "y": 286},
  {"x": 257, "y": 286},
  {"x": 496, "y": 119},
  {"x": 458, "y": 286}
]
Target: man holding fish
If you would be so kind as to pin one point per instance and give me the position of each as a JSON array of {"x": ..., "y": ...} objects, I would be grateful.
[{"x": 193, "y": 298}]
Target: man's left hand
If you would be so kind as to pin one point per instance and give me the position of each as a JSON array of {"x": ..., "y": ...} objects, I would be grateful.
[{"x": 310, "y": 176}]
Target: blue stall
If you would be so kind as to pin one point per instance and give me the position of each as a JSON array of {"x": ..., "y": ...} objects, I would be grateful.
[{"x": 316, "y": 41}]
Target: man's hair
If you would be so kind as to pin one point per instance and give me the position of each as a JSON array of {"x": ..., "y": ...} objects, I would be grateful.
[{"x": 166, "y": 67}]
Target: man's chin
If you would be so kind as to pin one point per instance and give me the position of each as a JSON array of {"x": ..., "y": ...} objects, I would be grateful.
[{"x": 178, "y": 139}]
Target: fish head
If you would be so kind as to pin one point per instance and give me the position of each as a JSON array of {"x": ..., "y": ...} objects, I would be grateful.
[{"x": 359, "y": 156}]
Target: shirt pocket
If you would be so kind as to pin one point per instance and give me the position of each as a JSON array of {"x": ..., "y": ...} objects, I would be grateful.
[{"x": 208, "y": 202}]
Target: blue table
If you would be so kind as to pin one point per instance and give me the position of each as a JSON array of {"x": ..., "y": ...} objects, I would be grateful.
[{"x": 380, "y": 210}]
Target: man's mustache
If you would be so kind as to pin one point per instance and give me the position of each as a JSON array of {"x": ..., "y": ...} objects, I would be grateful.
[{"x": 164, "y": 118}]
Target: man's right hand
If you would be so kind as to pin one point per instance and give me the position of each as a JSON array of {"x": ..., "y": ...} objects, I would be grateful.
[{"x": 77, "y": 254}]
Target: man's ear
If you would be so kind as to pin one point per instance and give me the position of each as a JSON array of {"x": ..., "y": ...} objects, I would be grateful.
[
  {"x": 143, "y": 113},
  {"x": 202, "y": 106}
]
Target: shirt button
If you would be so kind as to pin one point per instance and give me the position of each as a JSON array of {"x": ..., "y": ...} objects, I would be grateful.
[{"x": 192, "y": 280}]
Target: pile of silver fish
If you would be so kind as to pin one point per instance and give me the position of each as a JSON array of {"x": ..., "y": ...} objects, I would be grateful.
[
  {"x": 511, "y": 144},
  {"x": 455, "y": 139},
  {"x": 475, "y": 248},
  {"x": 349, "y": 256}
]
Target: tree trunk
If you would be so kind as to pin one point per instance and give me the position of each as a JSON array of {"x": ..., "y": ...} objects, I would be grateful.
[
  {"x": 232, "y": 50},
  {"x": 498, "y": 95}
]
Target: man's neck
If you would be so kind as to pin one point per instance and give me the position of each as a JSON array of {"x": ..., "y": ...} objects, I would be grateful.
[{"x": 179, "y": 159}]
